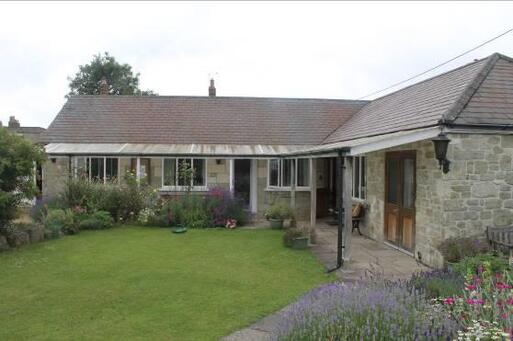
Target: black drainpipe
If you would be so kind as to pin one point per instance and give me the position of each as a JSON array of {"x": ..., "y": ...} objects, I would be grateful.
[
  {"x": 340, "y": 166},
  {"x": 70, "y": 175}
]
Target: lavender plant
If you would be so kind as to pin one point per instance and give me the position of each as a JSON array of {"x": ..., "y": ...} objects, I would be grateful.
[{"x": 374, "y": 310}]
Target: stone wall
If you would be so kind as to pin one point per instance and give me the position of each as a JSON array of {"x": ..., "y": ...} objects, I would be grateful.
[
  {"x": 477, "y": 192},
  {"x": 268, "y": 197},
  {"x": 218, "y": 174},
  {"x": 55, "y": 175}
]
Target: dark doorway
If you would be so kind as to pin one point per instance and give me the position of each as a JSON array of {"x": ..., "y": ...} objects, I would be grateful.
[
  {"x": 400, "y": 199},
  {"x": 242, "y": 171}
]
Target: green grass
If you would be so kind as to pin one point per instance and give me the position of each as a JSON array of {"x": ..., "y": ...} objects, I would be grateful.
[{"x": 146, "y": 283}]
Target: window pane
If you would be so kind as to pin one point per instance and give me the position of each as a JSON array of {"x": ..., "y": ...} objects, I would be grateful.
[
  {"x": 356, "y": 177},
  {"x": 112, "y": 169},
  {"x": 199, "y": 172},
  {"x": 408, "y": 185},
  {"x": 82, "y": 168},
  {"x": 287, "y": 172},
  {"x": 97, "y": 169},
  {"x": 169, "y": 172},
  {"x": 303, "y": 172},
  {"x": 363, "y": 180},
  {"x": 273, "y": 172},
  {"x": 393, "y": 183},
  {"x": 184, "y": 176}
]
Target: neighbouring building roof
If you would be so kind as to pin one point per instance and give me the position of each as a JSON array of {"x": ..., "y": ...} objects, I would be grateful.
[
  {"x": 440, "y": 98},
  {"x": 33, "y": 134},
  {"x": 198, "y": 120}
]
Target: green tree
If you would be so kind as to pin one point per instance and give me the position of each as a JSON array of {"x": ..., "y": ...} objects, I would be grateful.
[
  {"x": 120, "y": 78},
  {"x": 17, "y": 158}
]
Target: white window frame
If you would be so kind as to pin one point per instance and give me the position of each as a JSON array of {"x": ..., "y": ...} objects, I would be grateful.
[
  {"x": 177, "y": 188},
  {"x": 303, "y": 188},
  {"x": 279, "y": 187},
  {"x": 361, "y": 160},
  {"x": 87, "y": 163}
]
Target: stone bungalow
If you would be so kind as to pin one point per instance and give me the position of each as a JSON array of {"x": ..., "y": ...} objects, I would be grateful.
[{"x": 318, "y": 154}]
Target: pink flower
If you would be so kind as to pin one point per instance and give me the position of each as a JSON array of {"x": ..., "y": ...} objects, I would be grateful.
[
  {"x": 509, "y": 301},
  {"x": 470, "y": 286},
  {"x": 475, "y": 301},
  {"x": 448, "y": 301},
  {"x": 501, "y": 286}
]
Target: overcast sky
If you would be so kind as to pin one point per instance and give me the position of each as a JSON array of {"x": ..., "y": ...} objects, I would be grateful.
[{"x": 320, "y": 50}]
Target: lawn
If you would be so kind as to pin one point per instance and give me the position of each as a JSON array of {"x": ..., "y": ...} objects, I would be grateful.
[{"x": 147, "y": 283}]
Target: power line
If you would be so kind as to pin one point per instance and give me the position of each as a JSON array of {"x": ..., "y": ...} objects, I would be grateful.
[{"x": 439, "y": 65}]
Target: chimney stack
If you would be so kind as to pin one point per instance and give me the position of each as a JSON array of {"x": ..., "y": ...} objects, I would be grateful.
[
  {"x": 104, "y": 86},
  {"x": 212, "y": 89},
  {"x": 13, "y": 123}
]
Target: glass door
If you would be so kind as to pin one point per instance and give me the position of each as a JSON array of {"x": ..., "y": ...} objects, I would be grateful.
[{"x": 400, "y": 199}]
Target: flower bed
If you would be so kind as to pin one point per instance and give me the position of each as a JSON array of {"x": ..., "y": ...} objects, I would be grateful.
[
  {"x": 475, "y": 303},
  {"x": 377, "y": 310}
]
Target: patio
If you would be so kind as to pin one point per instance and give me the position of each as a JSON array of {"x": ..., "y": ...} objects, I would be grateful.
[{"x": 368, "y": 257}]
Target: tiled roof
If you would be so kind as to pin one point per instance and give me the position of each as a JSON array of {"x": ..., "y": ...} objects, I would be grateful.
[
  {"x": 491, "y": 101},
  {"x": 420, "y": 105},
  {"x": 479, "y": 93},
  {"x": 198, "y": 120}
]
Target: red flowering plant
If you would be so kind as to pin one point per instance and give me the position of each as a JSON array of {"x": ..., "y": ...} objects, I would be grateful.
[{"x": 486, "y": 302}]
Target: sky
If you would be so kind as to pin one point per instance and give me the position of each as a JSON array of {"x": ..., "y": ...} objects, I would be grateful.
[{"x": 340, "y": 50}]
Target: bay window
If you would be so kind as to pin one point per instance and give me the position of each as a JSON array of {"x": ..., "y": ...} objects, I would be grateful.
[{"x": 282, "y": 173}]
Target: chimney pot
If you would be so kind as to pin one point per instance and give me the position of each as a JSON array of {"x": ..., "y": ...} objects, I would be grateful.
[
  {"x": 104, "y": 86},
  {"x": 13, "y": 122},
  {"x": 212, "y": 89}
]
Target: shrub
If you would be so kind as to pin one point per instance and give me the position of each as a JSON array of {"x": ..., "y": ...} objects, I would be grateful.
[
  {"x": 40, "y": 209},
  {"x": 195, "y": 214},
  {"x": 57, "y": 220},
  {"x": 455, "y": 249},
  {"x": 97, "y": 221},
  {"x": 374, "y": 310},
  {"x": 279, "y": 211},
  {"x": 17, "y": 158},
  {"x": 291, "y": 234},
  {"x": 223, "y": 207},
  {"x": 472, "y": 265},
  {"x": 171, "y": 213},
  {"x": 122, "y": 201},
  {"x": 437, "y": 283}
]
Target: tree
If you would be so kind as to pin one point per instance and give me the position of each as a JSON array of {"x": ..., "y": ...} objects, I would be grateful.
[
  {"x": 120, "y": 78},
  {"x": 17, "y": 159}
]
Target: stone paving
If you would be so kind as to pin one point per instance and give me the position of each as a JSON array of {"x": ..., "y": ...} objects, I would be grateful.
[{"x": 367, "y": 257}]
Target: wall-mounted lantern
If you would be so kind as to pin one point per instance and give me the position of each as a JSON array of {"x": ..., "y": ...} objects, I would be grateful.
[{"x": 441, "y": 143}]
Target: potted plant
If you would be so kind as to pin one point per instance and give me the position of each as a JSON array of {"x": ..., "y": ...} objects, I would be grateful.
[
  {"x": 277, "y": 213},
  {"x": 296, "y": 239}
]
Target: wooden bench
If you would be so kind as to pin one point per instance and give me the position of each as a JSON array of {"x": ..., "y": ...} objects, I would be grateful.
[
  {"x": 357, "y": 213},
  {"x": 501, "y": 239}
]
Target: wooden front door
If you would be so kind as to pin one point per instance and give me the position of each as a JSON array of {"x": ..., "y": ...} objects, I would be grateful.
[{"x": 400, "y": 199}]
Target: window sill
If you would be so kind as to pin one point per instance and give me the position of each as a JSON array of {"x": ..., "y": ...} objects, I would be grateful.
[
  {"x": 183, "y": 189},
  {"x": 287, "y": 189}
]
